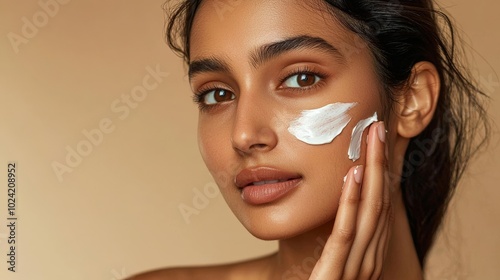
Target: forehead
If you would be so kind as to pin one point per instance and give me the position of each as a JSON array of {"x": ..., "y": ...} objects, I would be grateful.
[{"x": 231, "y": 29}]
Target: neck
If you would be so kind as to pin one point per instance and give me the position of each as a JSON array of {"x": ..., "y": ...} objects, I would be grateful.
[
  {"x": 401, "y": 258},
  {"x": 297, "y": 256}
]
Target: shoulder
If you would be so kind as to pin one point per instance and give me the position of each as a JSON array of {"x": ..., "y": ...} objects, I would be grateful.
[
  {"x": 180, "y": 273},
  {"x": 239, "y": 270}
]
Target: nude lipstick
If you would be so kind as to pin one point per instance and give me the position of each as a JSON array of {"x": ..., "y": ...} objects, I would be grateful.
[{"x": 261, "y": 185}]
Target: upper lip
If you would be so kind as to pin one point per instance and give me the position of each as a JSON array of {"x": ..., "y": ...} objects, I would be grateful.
[{"x": 248, "y": 176}]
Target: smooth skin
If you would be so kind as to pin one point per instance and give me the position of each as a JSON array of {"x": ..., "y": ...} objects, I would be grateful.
[{"x": 326, "y": 229}]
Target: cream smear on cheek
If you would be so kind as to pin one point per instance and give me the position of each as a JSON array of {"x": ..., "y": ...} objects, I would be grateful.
[
  {"x": 322, "y": 125},
  {"x": 357, "y": 133}
]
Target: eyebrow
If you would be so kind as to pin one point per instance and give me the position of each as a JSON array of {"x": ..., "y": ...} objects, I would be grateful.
[
  {"x": 265, "y": 53},
  {"x": 211, "y": 64},
  {"x": 270, "y": 51}
]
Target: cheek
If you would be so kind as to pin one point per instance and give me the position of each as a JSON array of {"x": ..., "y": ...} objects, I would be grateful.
[
  {"x": 211, "y": 148},
  {"x": 322, "y": 125},
  {"x": 217, "y": 153},
  {"x": 328, "y": 163},
  {"x": 325, "y": 165}
]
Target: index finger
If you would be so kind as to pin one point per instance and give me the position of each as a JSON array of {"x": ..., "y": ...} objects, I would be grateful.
[{"x": 372, "y": 199}]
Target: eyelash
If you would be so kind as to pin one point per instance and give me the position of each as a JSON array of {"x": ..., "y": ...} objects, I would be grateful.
[
  {"x": 200, "y": 94},
  {"x": 303, "y": 70}
]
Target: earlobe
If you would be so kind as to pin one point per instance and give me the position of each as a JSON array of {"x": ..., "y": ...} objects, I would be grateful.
[{"x": 419, "y": 101}]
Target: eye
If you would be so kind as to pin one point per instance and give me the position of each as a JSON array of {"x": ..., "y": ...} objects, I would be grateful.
[
  {"x": 217, "y": 96},
  {"x": 301, "y": 80}
]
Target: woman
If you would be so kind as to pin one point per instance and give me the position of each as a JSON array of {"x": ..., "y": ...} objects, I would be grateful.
[{"x": 286, "y": 90}]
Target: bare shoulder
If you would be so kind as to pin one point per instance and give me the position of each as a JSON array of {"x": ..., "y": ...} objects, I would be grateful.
[
  {"x": 179, "y": 273},
  {"x": 168, "y": 273},
  {"x": 251, "y": 269}
]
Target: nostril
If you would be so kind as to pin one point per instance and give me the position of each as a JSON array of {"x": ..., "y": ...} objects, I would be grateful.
[
  {"x": 258, "y": 146},
  {"x": 253, "y": 136}
]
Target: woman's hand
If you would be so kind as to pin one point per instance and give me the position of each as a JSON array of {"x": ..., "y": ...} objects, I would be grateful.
[{"x": 357, "y": 246}]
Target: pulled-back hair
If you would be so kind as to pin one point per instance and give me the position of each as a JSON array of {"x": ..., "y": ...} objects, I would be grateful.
[{"x": 400, "y": 34}]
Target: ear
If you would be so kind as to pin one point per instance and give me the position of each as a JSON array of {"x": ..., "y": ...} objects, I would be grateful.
[{"x": 418, "y": 103}]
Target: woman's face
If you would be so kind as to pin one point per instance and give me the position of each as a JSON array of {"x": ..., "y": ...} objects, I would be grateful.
[{"x": 261, "y": 63}]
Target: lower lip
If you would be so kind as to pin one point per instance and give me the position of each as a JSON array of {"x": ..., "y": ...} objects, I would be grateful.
[{"x": 269, "y": 192}]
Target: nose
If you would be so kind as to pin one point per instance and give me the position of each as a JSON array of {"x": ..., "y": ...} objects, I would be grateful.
[{"x": 253, "y": 129}]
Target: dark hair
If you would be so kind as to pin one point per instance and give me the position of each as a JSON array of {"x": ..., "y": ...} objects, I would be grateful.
[{"x": 399, "y": 35}]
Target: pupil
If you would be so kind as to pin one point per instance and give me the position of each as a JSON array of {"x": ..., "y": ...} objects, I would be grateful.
[
  {"x": 306, "y": 80},
  {"x": 220, "y": 95}
]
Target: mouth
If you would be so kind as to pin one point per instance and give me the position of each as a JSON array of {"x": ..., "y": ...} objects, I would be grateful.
[{"x": 261, "y": 185}]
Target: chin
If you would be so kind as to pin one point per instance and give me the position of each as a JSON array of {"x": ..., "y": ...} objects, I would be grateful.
[
  {"x": 278, "y": 224},
  {"x": 273, "y": 233},
  {"x": 287, "y": 232}
]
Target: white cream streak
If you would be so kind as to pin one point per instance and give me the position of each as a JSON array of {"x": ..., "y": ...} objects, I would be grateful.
[
  {"x": 357, "y": 132},
  {"x": 322, "y": 125}
]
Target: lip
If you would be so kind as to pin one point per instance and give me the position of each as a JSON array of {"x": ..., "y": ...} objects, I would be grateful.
[{"x": 260, "y": 185}]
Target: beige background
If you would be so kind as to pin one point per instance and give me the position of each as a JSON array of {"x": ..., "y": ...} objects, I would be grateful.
[{"x": 117, "y": 212}]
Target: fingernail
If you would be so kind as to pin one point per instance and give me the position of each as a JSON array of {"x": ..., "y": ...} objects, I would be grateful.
[
  {"x": 381, "y": 132},
  {"x": 358, "y": 174}
]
